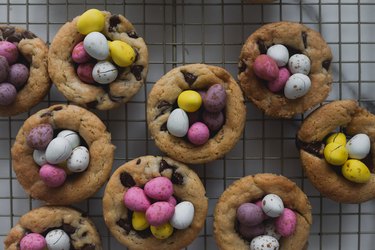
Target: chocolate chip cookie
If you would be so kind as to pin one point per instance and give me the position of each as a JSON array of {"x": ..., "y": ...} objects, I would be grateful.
[
  {"x": 163, "y": 97},
  {"x": 187, "y": 187},
  {"x": 128, "y": 82},
  {"x": 81, "y": 230},
  {"x": 33, "y": 53},
  {"x": 250, "y": 189},
  {"x": 78, "y": 186},
  {"x": 348, "y": 115},
  {"x": 298, "y": 39}
]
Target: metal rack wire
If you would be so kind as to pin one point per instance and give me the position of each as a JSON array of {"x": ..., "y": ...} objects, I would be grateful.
[{"x": 213, "y": 31}]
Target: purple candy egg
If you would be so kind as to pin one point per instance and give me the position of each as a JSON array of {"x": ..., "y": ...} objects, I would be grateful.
[
  {"x": 52, "y": 176},
  {"x": 215, "y": 98},
  {"x": 40, "y": 136},
  {"x": 249, "y": 232},
  {"x": 84, "y": 72},
  {"x": 198, "y": 133},
  {"x": 79, "y": 54},
  {"x": 18, "y": 74},
  {"x": 9, "y": 51},
  {"x": 214, "y": 121},
  {"x": 249, "y": 214},
  {"x": 4, "y": 69},
  {"x": 33, "y": 241},
  {"x": 194, "y": 116},
  {"x": 8, "y": 94}
]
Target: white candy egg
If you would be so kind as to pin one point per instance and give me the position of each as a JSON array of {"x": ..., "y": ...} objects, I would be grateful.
[
  {"x": 57, "y": 239},
  {"x": 58, "y": 150},
  {"x": 358, "y": 146},
  {"x": 104, "y": 72},
  {"x": 299, "y": 63},
  {"x": 279, "y": 53},
  {"x": 272, "y": 205},
  {"x": 96, "y": 45},
  {"x": 71, "y": 136},
  {"x": 270, "y": 229},
  {"x": 183, "y": 215},
  {"x": 39, "y": 157},
  {"x": 178, "y": 123},
  {"x": 297, "y": 86},
  {"x": 264, "y": 242},
  {"x": 79, "y": 159}
]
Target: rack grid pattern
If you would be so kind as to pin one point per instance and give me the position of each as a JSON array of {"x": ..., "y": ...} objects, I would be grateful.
[{"x": 212, "y": 31}]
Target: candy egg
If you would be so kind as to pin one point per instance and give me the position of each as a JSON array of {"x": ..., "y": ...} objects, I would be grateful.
[
  {"x": 159, "y": 213},
  {"x": 96, "y": 45},
  {"x": 122, "y": 53},
  {"x": 9, "y": 51},
  {"x": 215, "y": 98},
  {"x": 71, "y": 136},
  {"x": 356, "y": 171},
  {"x": 159, "y": 188},
  {"x": 265, "y": 68},
  {"x": 104, "y": 72},
  {"x": 40, "y": 136},
  {"x": 139, "y": 221},
  {"x": 84, "y": 72},
  {"x": 270, "y": 229},
  {"x": 279, "y": 83},
  {"x": 79, "y": 160},
  {"x": 249, "y": 232},
  {"x": 286, "y": 223},
  {"x": 339, "y": 138},
  {"x": 214, "y": 121},
  {"x": 358, "y": 146},
  {"x": 8, "y": 94},
  {"x": 52, "y": 176},
  {"x": 79, "y": 54},
  {"x": 178, "y": 123},
  {"x": 183, "y": 215},
  {"x": 198, "y": 133},
  {"x": 18, "y": 74},
  {"x": 279, "y": 53},
  {"x": 162, "y": 232},
  {"x": 57, "y": 239},
  {"x": 273, "y": 206},
  {"x": 4, "y": 69},
  {"x": 260, "y": 204},
  {"x": 91, "y": 20},
  {"x": 335, "y": 153},
  {"x": 249, "y": 214},
  {"x": 189, "y": 100},
  {"x": 297, "y": 86},
  {"x": 39, "y": 157},
  {"x": 33, "y": 241},
  {"x": 264, "y": 242},
  {"x": 58, "y": 150},
  {"x": 299, "y": 63},
  {"x": 135, "y": 199},
  {"x": 172, "y": 201},
  {"x": 194, "y": 116}
]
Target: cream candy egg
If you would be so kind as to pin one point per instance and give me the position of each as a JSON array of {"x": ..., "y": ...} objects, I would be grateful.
[
  {"x": 104, "y": 72},
  {"x": 79, "y": 159},
  {"x": 279, "y": 53},
  {"x": 58, "y": 150},
  {"x": 183, "y": 215},
  {"x": 57, "y": 239},
  {"x": 358, "y": 146},
  {"x": 264, "y": 242},
  {"x": 272, "y": 205},
  {"x": 178, "y": 123},
  {"x": 71, "y": 136},
  {"x": 96, "y": 45},
  {"x": 270, "y": 229},
  {"x": 297, "y": 86},
  {"x": 299, "y": 63},
  {"x": 39, "y": 157}
]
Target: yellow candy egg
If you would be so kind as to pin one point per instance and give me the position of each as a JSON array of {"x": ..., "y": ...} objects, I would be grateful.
[
  {"x": 335, "y": 153},
  {"x": 139, "y": 221},
  {"x": 356, "y": 171},
  {"x": 90, "y": 21},
  {"x": 189, "y": 100},
  {"x": 162, "y": 232},
  {"x": 122, "y": 53},
  {"x": 339, "y": 138}
]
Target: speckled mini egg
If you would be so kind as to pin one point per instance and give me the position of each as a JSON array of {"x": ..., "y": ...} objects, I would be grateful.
[
  {"x": 96, "y": 45},
  {"x": 58, "y": 150},
  {"x": 299, "y": 63},
  {"x": 40, "y": 136},
  {"x": 272, "y": 205},
  {"x": 270, "y": 229},
  {"x": 358, "y": 146},
  {"x": 279, "y": 53},
  {"x": 79, "y": 159},
  {"x": 264, "y": 242},
  {"x": 297, "y": 86},
  {"x": 39, "y": 157},
  {"x": 33, "y": 241},
  {"x": 104, "y": 72},
  {"x": 71, "y": 136},
  {"x": 57, "y": 239}
]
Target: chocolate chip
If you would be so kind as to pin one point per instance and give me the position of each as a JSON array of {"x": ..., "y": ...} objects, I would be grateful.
[
  {"x": 189, "y": 77},
  {"x": 133, "y": 34},
  {"x": 241, "y": 66},
  {"x": 115, "y": 98},
  {"x": 28, "y": 35},
  {"x": 326, "y": 64},
  {"x": 163, "y": 127},
  {"x": 114, "y": 20},
  {"x": 144, "y": 233},
  {"x": 315, "y": 148},
  {"x": 15, "y": 38},
  {"x": 262, "y": 47},
  {"x": 68, "y": 228},
  {"x": 138, "y": 161},
  {"x": 164, "y": 165},
  {"x": 124, "y": 224},
  {"x": 127, "y": 180},
  {"x": 92, "y": 104},
  {"x": 8, "y": 31},
  {"x": 177, "y": 178},
  {"x": 304, "y": 39},
  {"x": 84, "y": 234},
  {"x": 292, "y": 50},
  {"x": 57, "y": 108},
  {"x": 137, "y": 70},
  {"x": 49, "y": 113},
  {"x": 163, "y": 104},
  {"x": 88, "y": 247}
]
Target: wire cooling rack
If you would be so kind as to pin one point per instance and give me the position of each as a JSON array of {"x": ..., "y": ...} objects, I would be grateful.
[{"x": 213, "y": 31}]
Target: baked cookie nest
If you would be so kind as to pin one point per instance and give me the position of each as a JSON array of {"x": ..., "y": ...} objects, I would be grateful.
[
  {"x": 77, "y": 186},
  {"x": 310, "y": 139},
  {"x": 253, "y": 188},
  {"x": 35, "y": 51},
  {"x": 80, "y": 228},
  {"x": 187, "y": 187},
  {"x": 298, "y": 39},
  {"x": 128, "y": 82},
  {"x": 163, "y": 97}
]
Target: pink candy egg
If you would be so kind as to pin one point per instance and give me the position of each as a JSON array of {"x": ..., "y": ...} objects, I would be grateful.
[
  {"x": 286, "y": 223},
  {"x": 159, "y": 213},
  {"x": 9, "y": 51},
  {"x": 265, "y": 68},
  {"x": 135, "y": 199},
  {"x": 260, "y": 204},
  {"x": 159, "y": 188},
  {"x": 84, "y": 72},
  {"x": 33, "y": 241},
  {"x": 79, "y": 54},
  {"x": 52, "y": 176},
  {"x": 279, "y": 83},
  {"x": 198, "y": 133},
  {"x": 172, "y": 201}
]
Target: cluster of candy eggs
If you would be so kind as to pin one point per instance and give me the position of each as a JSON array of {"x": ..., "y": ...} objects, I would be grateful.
[
  {"x": 154, "y": 206},
  {"x": 284, "y": 73},
  {"x": 94, "y": 55},
  {"x": 54, "y": 155},
  {"x": 13, "y": 74},
  {"x": 338, "y": 152},
  {"x": 55, "y": 239},
  {"x": 265, "y": 222},
  {"x": 193, "y": 105}
]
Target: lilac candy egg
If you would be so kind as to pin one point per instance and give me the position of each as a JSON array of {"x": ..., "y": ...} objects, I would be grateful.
[
  {"x": 249, "y": 232},
  {"x": 33, "y": 241},
  {"x": 215, "y": 98},
  {"x": 260, "y": 204},
  {"x": 198, "y": 133},
  {"x": 265, "y": 68},
  {"x": 9, "y": 51},
  {"x": 40, "y": 136},
  {"x": 279, "y": 83},
  {"x": 214, "y": 121},
  {"x": 79, "y": 54},
  {"x": 194, "y": 116},
  {"x": 18, "y": 74},
  {"x": 84, "y": 72},
  {"x": 8, "y": 94},
  {"x": 286, "y": 223},
  {"x": 135, "y": 199},
  {"x": 159, "y": 188},
  {"x": 159, "y": 213},
  {"x": 52, "y": 176},
  {"x": 249, "y": 214},
  {"x": 4, "y": 69}
]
